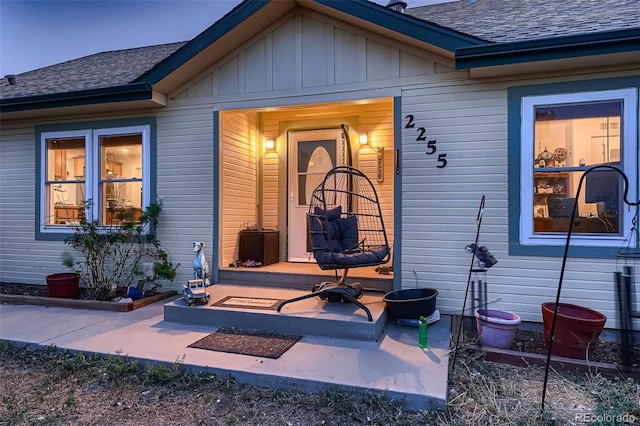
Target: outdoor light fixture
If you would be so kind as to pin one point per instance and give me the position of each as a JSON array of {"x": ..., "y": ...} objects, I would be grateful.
[
  {"x": 363, "y": 139},
  {"x": 269, "y": 145}
]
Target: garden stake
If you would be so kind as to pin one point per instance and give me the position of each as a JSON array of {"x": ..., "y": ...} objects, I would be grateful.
[{"x": 464, "y": 304}]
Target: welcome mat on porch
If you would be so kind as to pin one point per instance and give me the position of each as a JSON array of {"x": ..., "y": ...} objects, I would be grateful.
[
  {"x": 248, "y": 302},
  {"x": 264, "y": 344}
]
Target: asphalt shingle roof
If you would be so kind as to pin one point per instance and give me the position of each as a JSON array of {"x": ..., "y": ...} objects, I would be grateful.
[
  {"x": 101, "y": 70},
  {"x": 517, "y": 20},
  {"x": 491, "y": 20}
]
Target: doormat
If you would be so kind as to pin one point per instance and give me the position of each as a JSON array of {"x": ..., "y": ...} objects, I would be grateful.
[
  {"x": 265, "y": 344},
  {"x": 248, "y": 302}
]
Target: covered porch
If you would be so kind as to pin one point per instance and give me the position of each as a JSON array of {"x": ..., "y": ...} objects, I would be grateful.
[{"x": 270, "y": 159}]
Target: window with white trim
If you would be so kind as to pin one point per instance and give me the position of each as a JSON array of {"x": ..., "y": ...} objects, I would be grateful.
[
  {"x": 562, "y": 136},
  {"x": 105, "y": 169}
]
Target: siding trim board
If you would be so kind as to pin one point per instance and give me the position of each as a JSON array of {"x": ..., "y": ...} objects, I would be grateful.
[
  {"x": 601, "y": 43},
  {"x": 63, "y": 234},
  {"x": 215, "y": 260},
  {"x": 514, "y": 96},
  {"x": 396, "y": 250},
  {"x": 130, "y": 92}
]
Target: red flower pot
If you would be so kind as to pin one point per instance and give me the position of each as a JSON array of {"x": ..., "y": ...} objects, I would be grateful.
[
  {"x": 65, "y": 284},
  {"x": 577, "y": 329}
]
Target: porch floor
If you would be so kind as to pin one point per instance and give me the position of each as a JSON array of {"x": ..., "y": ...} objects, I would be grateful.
[{"x": 306, "y": 317}]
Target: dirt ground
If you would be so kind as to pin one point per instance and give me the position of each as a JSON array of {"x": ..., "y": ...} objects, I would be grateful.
[
  {"x": 52, "y": 387},
  {"x": 49, "y": 387}
]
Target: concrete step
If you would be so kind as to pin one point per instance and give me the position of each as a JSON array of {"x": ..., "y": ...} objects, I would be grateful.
[
  {"x": 308, "y": 317},
  {"x": 300, "y": 281}
]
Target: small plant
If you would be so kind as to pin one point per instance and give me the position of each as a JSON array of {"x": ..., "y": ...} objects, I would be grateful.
[
  {"x": 113, "y": 255},
  {"x": 160, "y": 374}
]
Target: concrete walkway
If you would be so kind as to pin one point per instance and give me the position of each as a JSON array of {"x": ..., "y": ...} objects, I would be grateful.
[{"x": 394, "y": 365}]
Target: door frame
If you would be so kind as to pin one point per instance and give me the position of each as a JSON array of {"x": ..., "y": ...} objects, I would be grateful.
[{"x": 293, "y": 219}]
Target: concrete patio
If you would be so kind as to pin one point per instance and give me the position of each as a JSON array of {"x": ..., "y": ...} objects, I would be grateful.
[{"x": 387, "y": 362}]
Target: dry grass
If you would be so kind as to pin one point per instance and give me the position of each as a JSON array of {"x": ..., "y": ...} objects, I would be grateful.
[{"x": 57, "y": 387}]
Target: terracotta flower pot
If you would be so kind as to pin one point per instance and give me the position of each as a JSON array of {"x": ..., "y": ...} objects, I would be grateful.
[
  {"x": 65, "y": 284},
  {"x": 577, "y": 329},
  {"x": 496, "y": 328}
]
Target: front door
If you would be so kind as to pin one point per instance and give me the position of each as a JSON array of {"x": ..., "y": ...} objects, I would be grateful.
[{"x": 312, "y": 154}]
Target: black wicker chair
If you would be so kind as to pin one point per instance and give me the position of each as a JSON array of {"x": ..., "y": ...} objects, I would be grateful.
[{"x": 346, "y": 231}]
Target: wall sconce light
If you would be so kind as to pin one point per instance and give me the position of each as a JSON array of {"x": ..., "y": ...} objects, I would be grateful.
[
  {"x": 363, "y": 139},
  {"x": 269, "y": 145}
]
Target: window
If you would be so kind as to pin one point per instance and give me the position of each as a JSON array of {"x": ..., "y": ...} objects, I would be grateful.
[
  {"x": 561, "y": 137},
  {"x": 108, "y": 168}
]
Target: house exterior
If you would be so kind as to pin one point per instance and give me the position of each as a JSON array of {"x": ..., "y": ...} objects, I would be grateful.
[{"x": 510, "y": 100}]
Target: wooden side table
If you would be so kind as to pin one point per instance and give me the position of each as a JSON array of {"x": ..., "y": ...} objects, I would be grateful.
[{"x": 260, "y": 245}]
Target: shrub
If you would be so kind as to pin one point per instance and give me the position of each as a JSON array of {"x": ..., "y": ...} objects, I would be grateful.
[{"x": 115, "y": 254}]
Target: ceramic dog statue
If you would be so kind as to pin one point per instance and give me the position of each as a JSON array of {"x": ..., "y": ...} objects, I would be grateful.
[{"x": 200, "y": 265}]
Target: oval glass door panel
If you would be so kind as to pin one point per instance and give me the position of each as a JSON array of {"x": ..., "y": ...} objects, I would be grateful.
[{"x": 314, "y": 163}]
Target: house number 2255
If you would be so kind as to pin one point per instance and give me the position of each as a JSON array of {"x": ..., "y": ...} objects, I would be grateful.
[{"x": 431, "y": 144}]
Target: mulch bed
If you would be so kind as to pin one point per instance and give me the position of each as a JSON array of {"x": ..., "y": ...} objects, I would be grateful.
[
  {"x": 30, "y": 294},
  {"x": 531, "y": 343},
  {"x": 23, "y": 289},
  {"x": 605, "y": 351},
  {"x": 37, "y": 290}
]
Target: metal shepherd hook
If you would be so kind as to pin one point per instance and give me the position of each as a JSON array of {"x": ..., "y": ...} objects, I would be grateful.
[
  {"x": 473, "y": 258},
  {"x": 564, "y": 261}
]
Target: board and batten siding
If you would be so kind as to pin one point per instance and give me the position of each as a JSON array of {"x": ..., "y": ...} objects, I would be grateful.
[
  {"x": 468, "y": 119},
  {"x": 305, "y": 51}
]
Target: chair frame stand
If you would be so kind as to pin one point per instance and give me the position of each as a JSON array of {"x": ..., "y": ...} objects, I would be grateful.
[{"x": 339, "y": 291}]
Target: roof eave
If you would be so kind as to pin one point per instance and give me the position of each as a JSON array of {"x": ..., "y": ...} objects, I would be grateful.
[
  {"x": 190, "y": 50},
  {"x": 500, "y": 54},
  {"x": 126, "y": 93}
]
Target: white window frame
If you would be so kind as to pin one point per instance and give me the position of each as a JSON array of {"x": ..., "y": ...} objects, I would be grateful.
[
  {"x": 92, "y": 170},
  {"x": 630, "y": 158}
]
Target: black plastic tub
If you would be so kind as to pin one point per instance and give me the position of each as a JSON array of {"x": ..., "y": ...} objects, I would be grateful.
[{"x": 411, "y": 303}]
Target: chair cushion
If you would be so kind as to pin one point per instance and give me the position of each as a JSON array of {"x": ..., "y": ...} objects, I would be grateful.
[
  {"x": 348, "y": 232},
  {"x": 330, "y": 215},
  {"x": 335, "y": 241},
  {"x": 371, "y": 256},
  {"x": 317, "y": 233},
  {"x": 334, "y": 228}
]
